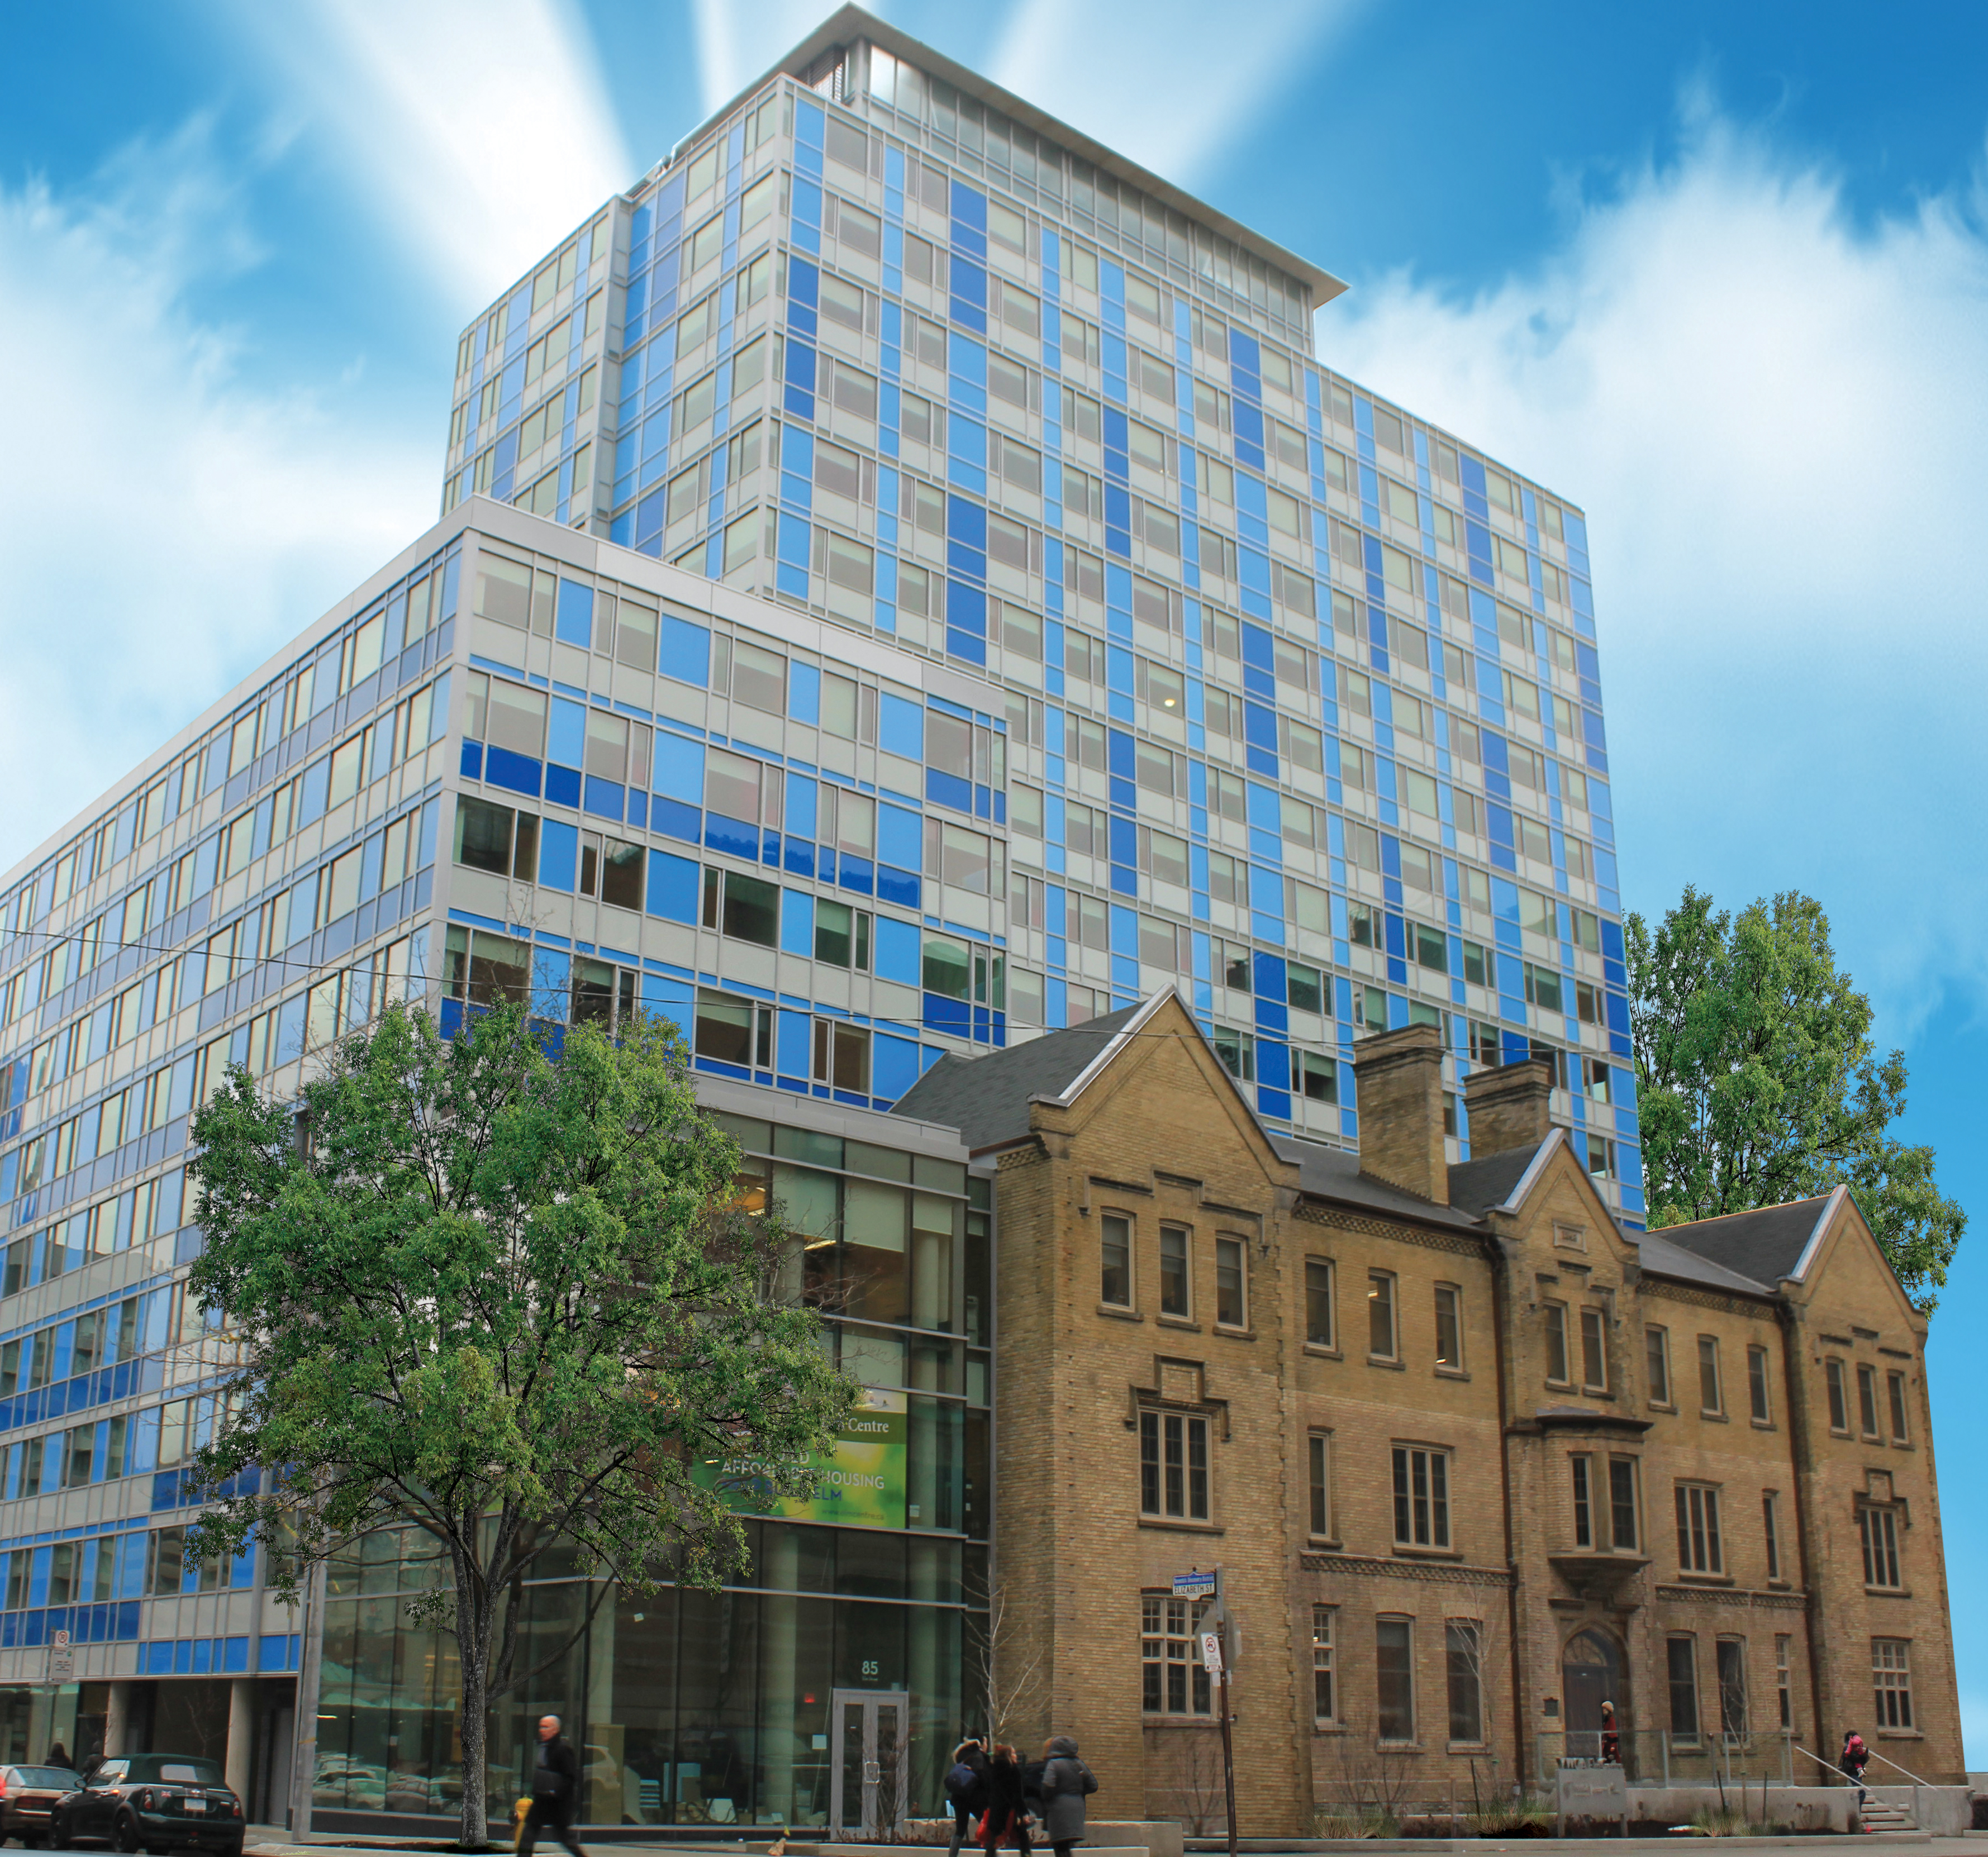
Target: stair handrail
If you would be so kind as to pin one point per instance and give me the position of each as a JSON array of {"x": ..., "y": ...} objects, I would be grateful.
[
  {"x": 1894, "y": 1765},
  {"x": 1917, "y": 1814},
  {"x": 1821, "y": 1762}
]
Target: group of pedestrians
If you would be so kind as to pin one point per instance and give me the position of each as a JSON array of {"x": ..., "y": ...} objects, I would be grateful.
[{"x": 990, "y": 1783}]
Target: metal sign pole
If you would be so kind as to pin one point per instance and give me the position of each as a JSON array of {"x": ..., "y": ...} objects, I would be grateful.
[
  {"x": 1217, "y": 1666},
  {"x": 1227, "y": 1761}
]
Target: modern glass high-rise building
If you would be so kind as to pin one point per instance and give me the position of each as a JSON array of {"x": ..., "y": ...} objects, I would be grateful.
[
  {"x": 1294, "y": 697},
  {"x": 905, "y": 582}
]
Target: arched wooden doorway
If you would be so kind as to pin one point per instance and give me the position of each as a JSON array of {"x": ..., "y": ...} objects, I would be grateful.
[{"x": 1593, "y": 1671}]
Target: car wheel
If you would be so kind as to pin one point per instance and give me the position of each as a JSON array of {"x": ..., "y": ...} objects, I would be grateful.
[{"x": 124, "y": 1833}]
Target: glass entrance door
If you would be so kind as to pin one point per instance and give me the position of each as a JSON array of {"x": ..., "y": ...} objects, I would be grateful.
[{"x": 869, "y": 1762}]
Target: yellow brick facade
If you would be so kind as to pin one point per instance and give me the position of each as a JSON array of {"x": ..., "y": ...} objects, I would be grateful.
[{"x": 1109, "y": 1374}]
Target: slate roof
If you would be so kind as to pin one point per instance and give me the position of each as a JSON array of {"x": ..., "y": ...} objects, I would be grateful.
[
  {"x": 1765, "y": 1245},
  {"x": 987, "y": 1098},
  {"x": 1476, "y": 1186},
  {"x": 1333, "y": 1173},
  {"x": 1663, "y": 1258}
]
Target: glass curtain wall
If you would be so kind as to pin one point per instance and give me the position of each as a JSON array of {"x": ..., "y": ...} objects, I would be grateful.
[{"x": 719, "y": 1708}]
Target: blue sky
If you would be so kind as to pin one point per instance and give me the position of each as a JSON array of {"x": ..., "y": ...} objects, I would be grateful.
[{"x": 1719, "y": 274}]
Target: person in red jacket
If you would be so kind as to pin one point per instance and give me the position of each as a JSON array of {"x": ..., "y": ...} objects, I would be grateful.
[{"x": 1856, "y": 1757}]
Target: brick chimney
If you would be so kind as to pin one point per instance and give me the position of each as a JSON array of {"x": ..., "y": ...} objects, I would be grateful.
[
  {"x": 1509, "y": 1107},
  {"x": 1400, "y": 1077}
]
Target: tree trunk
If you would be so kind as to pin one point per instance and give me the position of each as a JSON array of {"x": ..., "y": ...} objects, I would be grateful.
[
  {"x": 473, "y": 1622},
  {"x": 475, "y": 1712}
]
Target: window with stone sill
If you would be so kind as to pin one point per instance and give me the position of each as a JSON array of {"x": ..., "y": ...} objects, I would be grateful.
[{"x": 1173, "y": 1466}]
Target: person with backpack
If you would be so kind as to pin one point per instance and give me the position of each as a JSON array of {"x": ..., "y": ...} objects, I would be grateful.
[
  {"x": 1066, "y": 1783},
  {"x": 966, "y": 1791},
  {"x": 1856, "y": 1757}
]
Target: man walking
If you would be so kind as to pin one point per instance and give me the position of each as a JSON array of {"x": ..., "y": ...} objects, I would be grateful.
[{"x": 555, "y": 1790}]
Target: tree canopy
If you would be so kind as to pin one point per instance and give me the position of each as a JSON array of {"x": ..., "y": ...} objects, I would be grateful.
[
  {"x": 1757, "y": 1081},
  {"x": 510, "y": 1299}
]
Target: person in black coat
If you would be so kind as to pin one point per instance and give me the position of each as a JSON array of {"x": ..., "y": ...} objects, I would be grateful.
[
  {"x": 966, "y": 1791},
  {"x": 1007, "y": 1813},
  {"x": 555, "y": 1790}
]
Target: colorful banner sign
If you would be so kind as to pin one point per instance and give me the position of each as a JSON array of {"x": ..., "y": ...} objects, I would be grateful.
[{"x": 860, "y": 1484}]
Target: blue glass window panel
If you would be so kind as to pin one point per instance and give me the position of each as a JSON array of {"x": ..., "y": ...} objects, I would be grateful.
[
  {"x": 666, "y": 997},
  {"x": 679, "y": 766},
  {"x": 897, "y": 886},
  {"x": 472, "y": 760},
  {"x": 563, "y": 786},
  {"x": 672, "y": 818},
  {"x": 566, "y": 732},
  {"x": 517, "y": 773},
  {"x": 947, "y": 1015},
  {"x": 673, "y": 885},
  {"x": 797, "y": 923},
  {"x": 792, "y": 1039},
  {"x": 736, "y": 838},
  {"x": 606, "y": 798},
  {"x": 900, "y": 728},
  {"x": 317, "y": 784},
  {"x": 969, "y": 207},
  {"x": 802, "y": 798},
  {"x": 804, "y": 691},
  {"x": 559, "y": 854},
  {"x": 575, "y": 623},
  {"x": 897, "y": 954},
  {"x": 894, "y": 1065},
  {"x": 966, "y": 609},
  {"x": 944, "y": 789},
  {"x": 551, "y": 975},
  {"x": 966, "y": 522},
  {"x": 966, "y": 359},
  {"x": 899, "y": 837}
]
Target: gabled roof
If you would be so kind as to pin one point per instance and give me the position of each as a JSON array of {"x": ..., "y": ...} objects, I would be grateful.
[
  {"x": 1476, "y": 1186},
  {"x": 1766, "y": 1244},
  {"x": 987, "y": 1098}
]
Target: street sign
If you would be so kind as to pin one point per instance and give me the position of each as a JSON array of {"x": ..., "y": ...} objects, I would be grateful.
[
  {"x": 1197, "y": 1585},
  {"x": 1211, "y": 1652},
  {"x": 61, "y": 1640}
]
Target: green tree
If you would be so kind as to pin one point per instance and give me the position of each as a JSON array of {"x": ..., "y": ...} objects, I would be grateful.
[
  {"x": 510, "y": 1300},
  {"x": 1757, "y": 1081}
]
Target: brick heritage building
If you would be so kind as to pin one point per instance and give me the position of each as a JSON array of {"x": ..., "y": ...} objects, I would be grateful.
[{"x": 1471, "y": 1458}]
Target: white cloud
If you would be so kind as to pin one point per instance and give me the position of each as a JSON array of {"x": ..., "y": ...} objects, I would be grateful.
[
  {"x": 1777, "y": 421},
  {"x": 737, "y": 40},
  {"x": 1166, "y": 83},
  {"x": 164, "y": 528},
  {"x": 480, "y": 128}
]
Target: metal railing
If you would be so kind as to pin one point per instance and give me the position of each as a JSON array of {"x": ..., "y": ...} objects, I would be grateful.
[
  {"x": 1918, "y": 1804},
  {"x": 1657, "y": 1757}
]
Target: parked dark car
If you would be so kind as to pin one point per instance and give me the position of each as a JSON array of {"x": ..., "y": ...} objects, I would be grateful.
[
  {"x": 155, "y": 1802},
  {"x": 27, "y": 1795}
]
